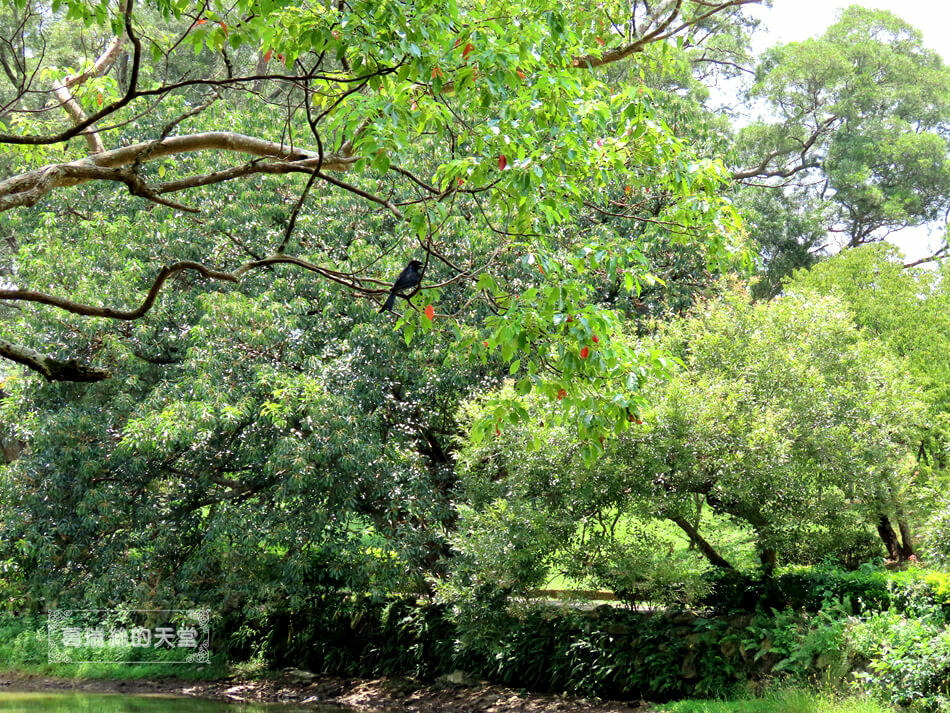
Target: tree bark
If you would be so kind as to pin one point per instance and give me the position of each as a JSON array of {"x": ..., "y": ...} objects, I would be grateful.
[
  {"x": 907, "y": 540},
  {"x": 886, "y": 531},
  {"x": 709, "y": 552},
  {"x": 259, "y": 70},
  {"x": 51, "y": 369}
]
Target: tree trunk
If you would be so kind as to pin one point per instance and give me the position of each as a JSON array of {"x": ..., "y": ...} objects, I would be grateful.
[
  {"x": 123, "y": 72},
  {"x": 695, "y": 538},
  {"x": 260, "y": 69},
  {"x": 907, "y": 541},
  {"x": 886, "y": 531}
]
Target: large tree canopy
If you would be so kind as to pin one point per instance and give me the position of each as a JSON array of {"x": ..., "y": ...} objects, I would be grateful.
[
  {"x": 783, "y": 417},
  {"x": 853, "y": 130},
  {"x": 471, "y": 135},
  {"x": 202, "y": 214}
]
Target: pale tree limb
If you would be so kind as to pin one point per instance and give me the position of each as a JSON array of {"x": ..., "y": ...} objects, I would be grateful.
[
  {"x": 71, "y": 106},
  {"x": 83, "y": 124},
  {"x": 27, "y": 188},
  {"x": 99, "y": 67},
  {"x": 52, "y": 369}
]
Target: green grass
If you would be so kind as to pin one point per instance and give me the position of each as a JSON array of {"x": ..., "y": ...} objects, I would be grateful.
[
  {"x": 787, "y": 701},
  {"x": 734, "y": 543},
  {"x": 24, "y": 650}
]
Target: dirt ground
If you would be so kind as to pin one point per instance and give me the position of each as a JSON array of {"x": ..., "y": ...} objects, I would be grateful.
[{"x": 393, "y": 695}]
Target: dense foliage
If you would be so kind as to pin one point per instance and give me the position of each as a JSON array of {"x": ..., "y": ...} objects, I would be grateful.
[{"x": 631, "y": 365}]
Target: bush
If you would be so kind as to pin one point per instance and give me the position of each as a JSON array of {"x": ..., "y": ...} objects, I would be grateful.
[
  {"x": 868, "y": 588},
  {"x": 908, "y": 659}
]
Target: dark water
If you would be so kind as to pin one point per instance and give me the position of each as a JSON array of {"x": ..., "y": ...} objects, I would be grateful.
[{"x": 11, "y": 702}]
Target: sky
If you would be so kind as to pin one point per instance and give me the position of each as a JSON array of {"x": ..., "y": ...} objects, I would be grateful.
[{"x": 792, "y": 20}]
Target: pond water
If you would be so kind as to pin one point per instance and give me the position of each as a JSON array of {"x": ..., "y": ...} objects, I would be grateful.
[{"x": 12, "y": 702}]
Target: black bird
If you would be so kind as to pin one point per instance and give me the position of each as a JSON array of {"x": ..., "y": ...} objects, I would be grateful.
[{"x": 408, "y": 278}]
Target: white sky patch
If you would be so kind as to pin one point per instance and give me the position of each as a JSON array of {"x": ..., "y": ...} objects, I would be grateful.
[{"x": 795, "y": 20}]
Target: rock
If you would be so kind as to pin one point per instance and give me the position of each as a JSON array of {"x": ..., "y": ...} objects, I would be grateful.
[
  {"x": 729, "y": 649},
  {"x": 688, "y": 670},
  {"x": 299, "y": 674},
  {"x": 683, "y": 619},
  {"x": 457, "y": 678}
]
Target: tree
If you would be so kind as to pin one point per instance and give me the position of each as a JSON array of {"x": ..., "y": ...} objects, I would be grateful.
[
  {"x": 908, "y": 310},
  {"x": 855, "y": 121},
  {"x": 419, "y": 110},
  {"x": 254, "y": 430},
  {"x": 783, "y": 418}
]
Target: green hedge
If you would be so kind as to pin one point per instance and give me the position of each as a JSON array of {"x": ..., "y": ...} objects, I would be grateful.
[
  {"x": 803, "y": 624},
  {"x": 808, "y": 588},
  {"x": 882, "y": 631}
]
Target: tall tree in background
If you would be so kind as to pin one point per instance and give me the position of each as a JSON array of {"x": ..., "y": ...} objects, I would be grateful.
[{"x": 855, "y": 128}]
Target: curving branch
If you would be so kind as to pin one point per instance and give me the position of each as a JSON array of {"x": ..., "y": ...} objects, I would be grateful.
[
  {"x": 83, "y": 124},
  {"x": 52, "y": 369},
  {"x": 660, "y": 26},
  {"x": 762, "y": 170},
  {"x": 27, "y": 188},
  {"x": 64, "y": 95},
  {"x": 108, "y": 312},
  {"x": 72, "y": 370},
  {"x": 941, "y": 254},
  {"x": 346, "y": 279}
]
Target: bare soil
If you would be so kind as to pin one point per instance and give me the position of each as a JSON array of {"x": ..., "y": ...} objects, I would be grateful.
[{"x": 390, "y": 695}]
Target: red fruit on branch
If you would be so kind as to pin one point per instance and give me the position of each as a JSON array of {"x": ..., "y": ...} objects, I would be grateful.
[
  {"x": 585, "y": 352},
  {"x": 502, "y": 162},
  {"x": 561, "y": 393}
]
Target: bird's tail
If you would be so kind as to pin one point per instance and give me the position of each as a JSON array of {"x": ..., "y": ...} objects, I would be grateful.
[{"x": 390, "y": 301}]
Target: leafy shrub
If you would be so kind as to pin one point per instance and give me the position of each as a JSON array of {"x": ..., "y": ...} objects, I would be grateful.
[
  {"x": 908, "y": 659},
  {"x": 868, "y": 588}
]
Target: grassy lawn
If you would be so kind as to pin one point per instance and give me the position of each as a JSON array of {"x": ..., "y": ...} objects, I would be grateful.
[
  {"x": 788, "y": 701},
  {"x": 23, "y": 649}
]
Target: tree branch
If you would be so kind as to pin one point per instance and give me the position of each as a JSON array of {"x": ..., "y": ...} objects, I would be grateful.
[
  {"x": 108, "y": 312},
  {"x": 709, "y": 552},
  {"x": 52, "y": 369},
  {"x": 27, "y": 188},
  {"x": 72, "y": 107},
  {"x": 661, "y": 31},
  {"x": 939, "y": 255}
]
